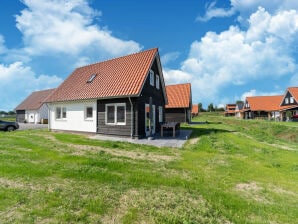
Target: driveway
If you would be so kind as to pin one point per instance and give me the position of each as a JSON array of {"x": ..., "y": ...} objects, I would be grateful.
[{"x": 26, "y": 126}]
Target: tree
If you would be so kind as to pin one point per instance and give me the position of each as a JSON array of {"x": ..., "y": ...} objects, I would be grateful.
[
  {"x": 11, "y": 113},
  {"x": 210, "y": 107},
  {"x": 201, "y": 107}
]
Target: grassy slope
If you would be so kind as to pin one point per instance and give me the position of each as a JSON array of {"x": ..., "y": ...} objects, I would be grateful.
[{"x": 230, "y": 171}]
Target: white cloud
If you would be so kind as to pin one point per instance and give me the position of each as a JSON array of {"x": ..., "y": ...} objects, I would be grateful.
[
  {"x": 254, "y": 92},
  {"x": 67, "y": 26},
  {"x": 169, "y": 57},
  {"x": 212, "y": 12},
  {"x": 246, "y": 7},
  {"x": 17, "y": 81},
  {"x": 2, "y": 45},
  {"x": 239, "y": 57}
]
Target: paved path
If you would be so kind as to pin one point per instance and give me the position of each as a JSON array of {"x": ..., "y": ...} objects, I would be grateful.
[
  {"x": 26, "y": 126},
  {"x": 158, "y": 141}
]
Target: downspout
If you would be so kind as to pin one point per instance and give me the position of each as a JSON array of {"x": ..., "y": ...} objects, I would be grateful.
[{"x": 131, "y": 117}]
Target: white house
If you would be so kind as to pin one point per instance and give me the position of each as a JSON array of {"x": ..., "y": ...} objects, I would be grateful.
[{"x": 33, "y": 109}]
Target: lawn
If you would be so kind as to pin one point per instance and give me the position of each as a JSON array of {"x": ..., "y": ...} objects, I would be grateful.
[{"x": 229, "y": 171}]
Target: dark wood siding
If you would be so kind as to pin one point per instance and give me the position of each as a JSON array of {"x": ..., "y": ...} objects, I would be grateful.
[
  {"x": 157, "y": 100},
  {"x": 20, "y": 116},
  {"x": 138, "y": 110},
  {"x": 288, "y": 95},
  {"x": 180, "y": 115},
  {"x": 103, "y": 128}
]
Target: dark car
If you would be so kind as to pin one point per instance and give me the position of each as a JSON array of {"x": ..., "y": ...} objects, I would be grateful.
[
  {"x": 294, "y": 118},
  {"x": 8, "y": 125}
]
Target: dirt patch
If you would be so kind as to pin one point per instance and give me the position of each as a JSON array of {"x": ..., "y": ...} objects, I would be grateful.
[
  {"x": 18, "y": 184},
  {"x": 193, "y": 141},
  {"x": 83, "y": 149},
  {"x": 252, "y": 191}
]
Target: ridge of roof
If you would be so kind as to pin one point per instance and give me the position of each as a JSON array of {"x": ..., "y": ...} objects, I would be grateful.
[{"x": 116, "y": 58}]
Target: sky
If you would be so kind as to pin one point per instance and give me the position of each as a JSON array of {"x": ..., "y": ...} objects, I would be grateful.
[{"x": 227, "y": 49}]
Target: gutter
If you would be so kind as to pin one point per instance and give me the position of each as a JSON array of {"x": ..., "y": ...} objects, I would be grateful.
[{"x": 131, "y": 116}]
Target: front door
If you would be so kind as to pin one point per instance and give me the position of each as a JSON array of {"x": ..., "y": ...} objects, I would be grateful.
[{"x": 149, "y": 124}]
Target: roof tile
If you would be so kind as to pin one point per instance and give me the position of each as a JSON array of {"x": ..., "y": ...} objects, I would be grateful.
[{"x": 179, "y": 95}]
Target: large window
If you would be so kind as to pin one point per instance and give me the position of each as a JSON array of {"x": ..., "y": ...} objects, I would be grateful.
[
  {"x": 291, "y": 99},
  {"x": 60, "y": 112},
  {"x": 286, "y": 100},
  {"x": 88, "y": 112},
  {"x": 115, "y": 114}
]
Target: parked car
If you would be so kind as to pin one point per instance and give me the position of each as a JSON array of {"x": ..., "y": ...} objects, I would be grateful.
[
  {"x": 8, "y": 125},
  {"x": 294, "y": 117}
]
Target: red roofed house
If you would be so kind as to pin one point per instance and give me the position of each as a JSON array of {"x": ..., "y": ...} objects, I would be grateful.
[
  {"x": 195, "y": 110},
  {"x": 123, "y": 96},
  {"x": 262, "y": 107},
  {"x": 33, "y": 109},
  {"x": 179, "y": 104},
  {"x": 230, "y": 109},
  {"x": 289, "y": 102}
]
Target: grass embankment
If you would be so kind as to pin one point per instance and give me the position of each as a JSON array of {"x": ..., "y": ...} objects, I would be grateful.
[{"x": 230, "y": 171}]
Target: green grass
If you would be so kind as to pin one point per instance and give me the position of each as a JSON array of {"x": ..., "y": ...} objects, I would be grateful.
[{"x": 230, "y": 171}]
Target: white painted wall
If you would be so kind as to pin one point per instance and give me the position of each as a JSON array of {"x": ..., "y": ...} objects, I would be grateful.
[
  {"x": 75, "y": 116},
  {"x": 32, "y": 116}
]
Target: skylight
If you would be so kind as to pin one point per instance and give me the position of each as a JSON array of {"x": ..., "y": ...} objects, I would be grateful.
[{"x": 91, "y": 78}]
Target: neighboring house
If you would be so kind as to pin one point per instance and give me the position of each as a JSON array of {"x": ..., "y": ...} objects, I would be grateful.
[
  {"x": 195, "y": 110},
  {"x": 33, "y": 109},
  {"x": 262, "y": 107},
  {"x": 239, "y": 113},
  {"x": 124, "y": 96},
  {"x": 230, "y": 110},
  {"x": 179, "y": 104},
  {"x": 289, "y": 103}
]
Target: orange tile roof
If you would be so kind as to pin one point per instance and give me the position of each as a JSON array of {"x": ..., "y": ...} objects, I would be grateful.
[
  {"x": 179, "y": 95},
  {"x": 264, "y": 103},
  {"x": 118, "y": 77},
  {"x": 294, "y": 92},
  {"x": 195, "y": 109},
  {"x": 35, "y": 100}
]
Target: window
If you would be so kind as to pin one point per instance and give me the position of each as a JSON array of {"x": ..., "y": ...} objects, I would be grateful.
[
  {"x": 115, "y": 114},
  {"x": 60, "y": 112},
  {"x": 286, "y": 100},
  {"x": 151, "y": 78},
  {"x": 157, "y": 81},
  {"x": 88, "y": 112},
  {"x": 291, "y": 99},
  {"x": 91, "y": 78},
  {"x": 160, "y": 115}
]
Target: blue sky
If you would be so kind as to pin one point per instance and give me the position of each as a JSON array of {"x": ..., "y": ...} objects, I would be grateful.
[{"x": 227, "y": 49}]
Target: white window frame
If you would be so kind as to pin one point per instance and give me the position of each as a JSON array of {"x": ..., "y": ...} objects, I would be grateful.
[
  {"x": 63, "y": 111},
  {"x": 151, "y": 74},
  {"x": 157, "y": 81},
  {"x": 291, "y": 99},
  {"x": 115, "y": 105},
  {"x": 160, "y": 114},
  {"x": 86, "y": 113},
  {"x": 286, "y": 100}
]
